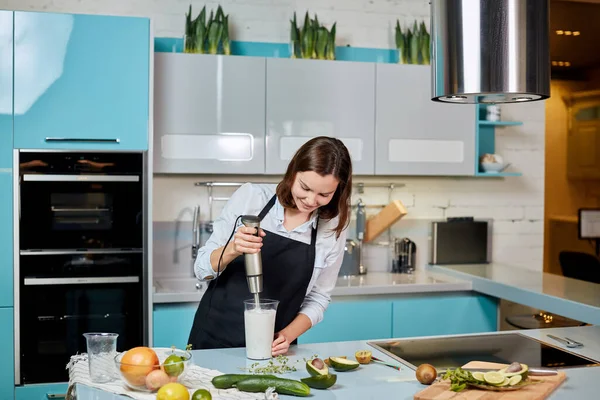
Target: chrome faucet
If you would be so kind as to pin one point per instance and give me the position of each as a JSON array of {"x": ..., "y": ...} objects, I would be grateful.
[{"x": 196, "y": 232}]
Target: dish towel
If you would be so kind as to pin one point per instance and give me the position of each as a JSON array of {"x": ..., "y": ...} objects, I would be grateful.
[{"x": 196, "y": 378}]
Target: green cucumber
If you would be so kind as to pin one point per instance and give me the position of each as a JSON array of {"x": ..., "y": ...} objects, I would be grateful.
[
  {"x": 228, "y": 381},
  {"x": 259, "y": 384}
]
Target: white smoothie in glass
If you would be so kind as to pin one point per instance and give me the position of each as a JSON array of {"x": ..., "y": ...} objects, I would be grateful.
[{"x": 260, "y": 328}]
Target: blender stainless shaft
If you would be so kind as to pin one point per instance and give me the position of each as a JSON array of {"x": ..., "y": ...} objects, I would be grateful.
[{"x": 253, "y": 261}]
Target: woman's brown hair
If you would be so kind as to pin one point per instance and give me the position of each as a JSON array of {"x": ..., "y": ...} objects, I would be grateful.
[{"x": 325, "y": 156}]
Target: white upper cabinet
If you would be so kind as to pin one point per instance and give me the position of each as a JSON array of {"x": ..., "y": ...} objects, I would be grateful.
[
  {"x": 309, "y": 98},
  {"x": 209, "y": 114},
  {"x": 416, "y": 136}
]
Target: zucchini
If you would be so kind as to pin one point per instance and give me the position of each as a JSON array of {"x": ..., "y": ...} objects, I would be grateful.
[
  {"x": 259, "y": 384},
  {"x": 228, "y": 381}
]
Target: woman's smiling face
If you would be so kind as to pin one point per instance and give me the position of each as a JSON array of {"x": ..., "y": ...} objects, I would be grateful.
[{"x": 311, "y": 190}]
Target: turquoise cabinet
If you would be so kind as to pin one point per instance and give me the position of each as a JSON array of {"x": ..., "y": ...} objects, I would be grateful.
[
  {"x": 81, "y": 81},
  {"x": 6, "y": 99},
  {"x": 404, "y": 316},
  {"x": 6, "y": 240},
  {"x": 443, "y": 314},
  {"x": 6, "y": 152},
  {"x": 352, "y": 320},
  {"x": 7, "y": 377},
  {"x": 41, "y": 391},
  {"x": 172, "y": 323}
]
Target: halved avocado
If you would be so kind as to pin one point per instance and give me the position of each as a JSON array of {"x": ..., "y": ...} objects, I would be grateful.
[
  {"x": 320, "y": 381},
  {"x": 515, "y": 369},
  {"x": 343, "y": 364},
  {"x": 316, "y": 367}
]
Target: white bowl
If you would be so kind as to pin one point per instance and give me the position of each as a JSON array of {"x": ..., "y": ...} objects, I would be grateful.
[{"x": 493, "y": 167}]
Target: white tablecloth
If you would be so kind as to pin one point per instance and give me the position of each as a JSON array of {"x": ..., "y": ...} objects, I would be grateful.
[{"x": 195, "y": 378}]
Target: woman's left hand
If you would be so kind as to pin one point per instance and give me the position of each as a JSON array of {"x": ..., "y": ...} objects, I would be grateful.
[{"x": 280, "y": 345}]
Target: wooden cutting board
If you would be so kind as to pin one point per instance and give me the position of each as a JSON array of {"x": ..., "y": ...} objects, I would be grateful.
[
  {"x": 384, "y": 219},
  {"x": 540, "y": 391}
]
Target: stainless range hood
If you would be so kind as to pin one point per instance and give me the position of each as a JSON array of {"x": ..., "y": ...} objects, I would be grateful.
[{"x": 490, "y": 51}]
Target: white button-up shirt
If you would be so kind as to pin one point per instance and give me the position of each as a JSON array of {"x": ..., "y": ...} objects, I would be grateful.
[{"x": 250, "y": 199}]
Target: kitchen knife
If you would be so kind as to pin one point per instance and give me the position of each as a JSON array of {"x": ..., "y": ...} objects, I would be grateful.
[{"x": 531, "y": 371}]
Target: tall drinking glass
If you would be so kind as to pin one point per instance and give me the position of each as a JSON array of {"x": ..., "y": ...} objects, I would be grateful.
[
  {"x": 259, "y": 321},
  {"x": 101, "y": 350}
]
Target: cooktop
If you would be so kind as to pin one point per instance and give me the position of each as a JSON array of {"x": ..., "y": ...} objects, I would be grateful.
[{"x": 455, "y": 351}]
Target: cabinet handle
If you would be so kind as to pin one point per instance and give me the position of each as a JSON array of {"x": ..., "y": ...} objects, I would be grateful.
[{"x": 57, "y": 139}]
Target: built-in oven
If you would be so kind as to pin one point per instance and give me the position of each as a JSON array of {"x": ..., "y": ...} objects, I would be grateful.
[
  {"x": 81, "y": 201},
  {"x": 64, "y": 295},
  {"x": 82, "y": 260}
]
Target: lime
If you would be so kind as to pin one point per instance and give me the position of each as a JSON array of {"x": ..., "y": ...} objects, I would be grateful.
[
  {"x": 201, "y": 394},
  {"x": 173, "y": 365},
  {"x": 479, "y": 376},
  {"x": 514, "y": 380},
  {"x": 494, "y": 377}
]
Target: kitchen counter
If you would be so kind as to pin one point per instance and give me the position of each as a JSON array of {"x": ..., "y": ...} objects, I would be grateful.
[
  {"x": 375, "y": 381},
  {"x": 183, "y": 290},
  {"x": 568, "y": 297}
]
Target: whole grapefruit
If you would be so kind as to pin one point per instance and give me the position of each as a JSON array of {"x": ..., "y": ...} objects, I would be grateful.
[{"x": 137, "y": 363}]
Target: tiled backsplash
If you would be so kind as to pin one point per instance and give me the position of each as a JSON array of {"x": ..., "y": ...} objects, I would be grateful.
[{"x": 173, "y": 246}]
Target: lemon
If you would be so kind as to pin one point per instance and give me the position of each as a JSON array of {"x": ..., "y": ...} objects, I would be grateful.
[
  {"x": 493, "y": 377},
  {"x": 514, "y": 380},
  {"x": 363, "y": 356},
  {"x": 173, "y": 391},
  {"x": 202, "y": 394},
  {"x": 479, "y": 376}
]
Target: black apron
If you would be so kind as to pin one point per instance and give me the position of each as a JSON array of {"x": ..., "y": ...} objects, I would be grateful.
[{"x": 287, "y": 270}]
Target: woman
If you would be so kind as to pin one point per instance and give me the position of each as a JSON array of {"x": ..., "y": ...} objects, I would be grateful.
[{"x": 301, "y": 242}]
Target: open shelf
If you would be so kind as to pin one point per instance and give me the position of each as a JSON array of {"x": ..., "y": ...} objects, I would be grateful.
[
  {"x": 486, "y": 142},
  {"x": 499, "y": 123},
  {"x": 497, "y": 174}
]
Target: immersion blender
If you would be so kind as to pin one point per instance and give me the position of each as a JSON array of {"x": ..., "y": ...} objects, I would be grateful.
[{"x": 253, "y": 262}]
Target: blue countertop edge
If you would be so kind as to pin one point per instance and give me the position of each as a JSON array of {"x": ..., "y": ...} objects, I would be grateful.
[
  {"x": 526, "y": 296},
  {"x": 375, "y": 381}
]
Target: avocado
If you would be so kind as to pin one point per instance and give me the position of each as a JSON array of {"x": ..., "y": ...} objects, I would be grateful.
[
  {"x": 515, "y": 369},
  {"x": 316, "y": 367},
  {"x": 320, "y": 381},
  {"x": 343, "y": 364}
]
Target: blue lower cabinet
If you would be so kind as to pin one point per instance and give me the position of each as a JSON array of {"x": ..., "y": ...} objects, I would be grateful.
[
  {"x": 7, "y": 360},
  {"x": 172, "y": 324},
  {"x": 352, "y": 320},
  {"x": 6, "y": 240},
  {"x": 444, "y": 314},
  {"x": 41, "y": 391},
  {"x": 81, "y": 81}
]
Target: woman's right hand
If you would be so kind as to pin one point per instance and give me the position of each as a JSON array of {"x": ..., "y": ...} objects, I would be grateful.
[{"x": 245, "y": 240}]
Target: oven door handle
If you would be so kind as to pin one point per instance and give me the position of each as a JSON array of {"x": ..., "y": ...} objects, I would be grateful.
[
  {"x": 80, "y": 281},
  {"x": 79, "y": 178},
  {"x": 61, "y": 209}
]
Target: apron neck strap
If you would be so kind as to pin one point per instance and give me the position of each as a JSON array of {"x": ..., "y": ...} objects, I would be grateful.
[{"x": 268, "y": 207}]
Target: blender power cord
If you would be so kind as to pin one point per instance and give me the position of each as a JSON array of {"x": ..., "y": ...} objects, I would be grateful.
[{"x": 219, "y": 263}]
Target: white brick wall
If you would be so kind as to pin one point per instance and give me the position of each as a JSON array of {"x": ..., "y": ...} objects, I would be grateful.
[{"x": 515, "y": 204}]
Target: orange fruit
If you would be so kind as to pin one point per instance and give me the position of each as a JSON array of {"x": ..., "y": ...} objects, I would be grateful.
[
  {"x": 137, "y": 363},
  {"x": 173, "y": 391}
]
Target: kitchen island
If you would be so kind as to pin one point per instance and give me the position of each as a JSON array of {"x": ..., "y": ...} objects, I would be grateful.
[
  {"x": 375, "y": 381},
  {"x": 572, "y": 298}
]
